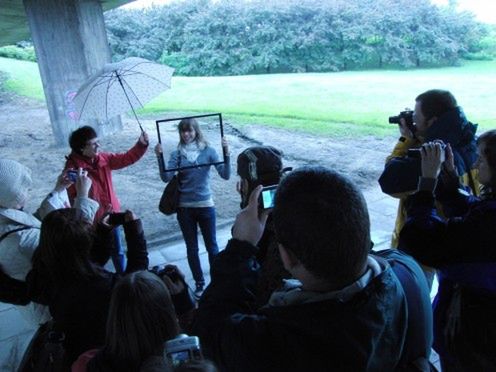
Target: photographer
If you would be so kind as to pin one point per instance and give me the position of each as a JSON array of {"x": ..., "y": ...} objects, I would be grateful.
[
  {"x": 462, "y": 250},
  {"x": 436, "y": 117},
  {"x": 66, "y": 279},
  {"x": 343, "y": 310},
  {"x": 19, "y": 238},
  {"x": 262, "y": 165}
]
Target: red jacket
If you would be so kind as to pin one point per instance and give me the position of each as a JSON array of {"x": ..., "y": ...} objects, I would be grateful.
[{"x": 100, "y": 171}]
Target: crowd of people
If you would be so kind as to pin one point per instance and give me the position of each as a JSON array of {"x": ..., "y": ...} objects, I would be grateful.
[{"x": 298, "y": 286}]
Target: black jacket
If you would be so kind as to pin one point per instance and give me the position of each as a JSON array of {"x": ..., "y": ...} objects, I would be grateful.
[
  {"x": 366, "y": 333},
  {"x": 79, "y": 307}
]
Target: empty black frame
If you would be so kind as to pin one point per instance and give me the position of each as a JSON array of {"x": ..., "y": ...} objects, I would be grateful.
[{"x": 157, "y": 122}]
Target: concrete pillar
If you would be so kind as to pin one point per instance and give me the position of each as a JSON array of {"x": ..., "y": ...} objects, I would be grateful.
[{"x": 71, "y": 44}]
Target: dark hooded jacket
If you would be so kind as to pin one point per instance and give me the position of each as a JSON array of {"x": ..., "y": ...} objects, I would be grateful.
[
  {"x": 401, "y": 173},
  {"x": 366, "y": 332},
  {"x": 463, "y": 250}
]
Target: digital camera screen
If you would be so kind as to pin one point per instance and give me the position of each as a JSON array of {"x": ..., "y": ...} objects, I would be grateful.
[
  {"x": 268, "y": 198},
  {"x": 179, "y": 357}
]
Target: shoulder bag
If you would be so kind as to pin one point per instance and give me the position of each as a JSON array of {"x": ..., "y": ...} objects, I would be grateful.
[{"x": 170, "y": 197}]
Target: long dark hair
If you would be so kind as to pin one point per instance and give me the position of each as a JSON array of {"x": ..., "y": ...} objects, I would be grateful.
[
  {"x": 191, "y": 124},
  {"x": 141, "y": 318},
  {"x": 65, "y": 243}
]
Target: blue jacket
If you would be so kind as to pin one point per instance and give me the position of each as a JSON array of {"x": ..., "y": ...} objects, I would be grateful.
[
  {"x": 365, "y": 333},
  {"x": 194, "y": 183},
  {"x": 464, "y": 252}
]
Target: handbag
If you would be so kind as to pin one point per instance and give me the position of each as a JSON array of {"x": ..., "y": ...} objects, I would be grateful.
[
  {"x": 45, "y": 351},
  {"x": 170, "y": 197}
]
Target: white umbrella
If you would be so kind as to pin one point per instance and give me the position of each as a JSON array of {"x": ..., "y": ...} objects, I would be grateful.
[{"x": 120, "y": 87}]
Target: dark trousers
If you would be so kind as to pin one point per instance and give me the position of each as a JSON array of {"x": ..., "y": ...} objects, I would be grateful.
[{"x": 189, "y": 219}]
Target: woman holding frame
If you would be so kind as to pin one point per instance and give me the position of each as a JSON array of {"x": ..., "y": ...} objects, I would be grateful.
[{"x": 196, "y": 206}]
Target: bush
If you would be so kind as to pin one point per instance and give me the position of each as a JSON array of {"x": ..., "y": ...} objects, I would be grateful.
[
  {"x": 179, "y": 61},
  {"x": 23, "y": 53}
]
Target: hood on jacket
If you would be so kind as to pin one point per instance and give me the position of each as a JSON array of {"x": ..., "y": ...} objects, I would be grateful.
[
  {"x": 15, "y": 180},
  {"x": 453, "y": 127}
]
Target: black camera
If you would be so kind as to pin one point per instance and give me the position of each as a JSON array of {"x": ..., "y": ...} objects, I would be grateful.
[
  {"x": 116, "y": 219},
  {"x": 407, "y": 115},
  {"x": 169, "y": 271}
]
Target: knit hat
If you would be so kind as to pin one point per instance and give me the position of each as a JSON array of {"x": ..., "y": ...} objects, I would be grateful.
[
  {"x": 15, "y": 180},
  {"x": 260, "y": 163}
]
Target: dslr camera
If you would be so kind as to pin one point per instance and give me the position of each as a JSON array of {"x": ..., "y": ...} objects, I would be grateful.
[
  {"x": 183, "y": 349},
  {"x": 408, "y": 116}
]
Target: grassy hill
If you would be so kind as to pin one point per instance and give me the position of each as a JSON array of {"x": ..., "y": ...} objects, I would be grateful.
[{"x": 344, "y": 103}]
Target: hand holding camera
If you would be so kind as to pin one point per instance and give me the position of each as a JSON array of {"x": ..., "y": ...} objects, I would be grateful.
[
  {"x": 405, "y": 122},
  {"x": 173, "y": 279},
  {"x": 118, "y": 218},
  {"x": 250, "y": 224},
  {"x": 433, "y": 156},
  {"x": 83, "y": 183}
]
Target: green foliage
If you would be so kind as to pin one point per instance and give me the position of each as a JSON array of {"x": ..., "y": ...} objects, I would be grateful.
[
  {"x": 346, "y": 104},
  {"x": 23, "y": 53},
  {"x": 227, "y": 37}
]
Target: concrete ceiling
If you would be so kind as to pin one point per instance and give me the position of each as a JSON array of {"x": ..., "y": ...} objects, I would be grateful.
[{"x": 14, "y": 24}]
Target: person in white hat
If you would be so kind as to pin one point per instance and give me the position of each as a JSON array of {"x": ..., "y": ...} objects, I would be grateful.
[{"x": 19, "y": 236}]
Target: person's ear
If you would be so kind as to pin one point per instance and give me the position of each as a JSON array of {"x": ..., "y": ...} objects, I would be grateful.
[{"x": 288, "y": 259}]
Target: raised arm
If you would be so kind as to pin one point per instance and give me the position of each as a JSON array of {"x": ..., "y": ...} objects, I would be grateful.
[
  {"x": 229, "y": 302},
  {"x": 172, "y": 163},
  {"x": 224, "y": 170},
  {"x": 435, "y": 242},
  {"x": 137, "y": 254}
]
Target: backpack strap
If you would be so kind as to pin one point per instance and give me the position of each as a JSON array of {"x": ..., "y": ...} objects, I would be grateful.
[{"x": 4, "y": 235}]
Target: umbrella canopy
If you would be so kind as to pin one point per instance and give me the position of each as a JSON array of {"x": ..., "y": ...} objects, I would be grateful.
[{"x": 120, "y": 87}]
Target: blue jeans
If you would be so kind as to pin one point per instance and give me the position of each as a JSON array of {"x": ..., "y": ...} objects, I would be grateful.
[
  {"x": 189, "y": 219},
  {"x": 118, "y": 255}
]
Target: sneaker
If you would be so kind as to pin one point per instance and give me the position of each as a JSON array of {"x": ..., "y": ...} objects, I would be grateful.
[{"x": 199, "y": 290}]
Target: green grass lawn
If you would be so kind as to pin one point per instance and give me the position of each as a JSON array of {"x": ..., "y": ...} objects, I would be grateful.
[{"x": 345, "y": 103}]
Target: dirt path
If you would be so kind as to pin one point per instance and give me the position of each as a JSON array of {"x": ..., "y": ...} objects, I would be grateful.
[{"x": 25, "y": 136}]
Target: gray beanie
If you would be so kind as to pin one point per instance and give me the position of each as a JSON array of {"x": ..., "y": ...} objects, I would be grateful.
[{"x": 15, "y": 180}]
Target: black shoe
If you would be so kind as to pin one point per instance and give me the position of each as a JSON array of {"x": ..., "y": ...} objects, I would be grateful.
[{"x": 199, "y": 290}]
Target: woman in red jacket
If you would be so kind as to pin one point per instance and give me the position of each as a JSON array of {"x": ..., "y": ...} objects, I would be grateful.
[{"x": 99, "y": 165}]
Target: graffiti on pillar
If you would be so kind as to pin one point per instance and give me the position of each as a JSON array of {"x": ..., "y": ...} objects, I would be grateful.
[{"x": 70, "y": 107}]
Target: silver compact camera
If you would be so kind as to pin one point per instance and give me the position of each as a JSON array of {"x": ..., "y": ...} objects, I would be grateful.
[{"x": 183, "y": 349}]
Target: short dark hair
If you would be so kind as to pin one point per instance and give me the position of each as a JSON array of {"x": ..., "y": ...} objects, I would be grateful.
[
  {"x": 141, "y": 319},
  {"x": 322, "y": 218},
  {"x": 436, "y": 102},
  {"x": 79, "y": 137},
  {"x": 488, "y": 139}
]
